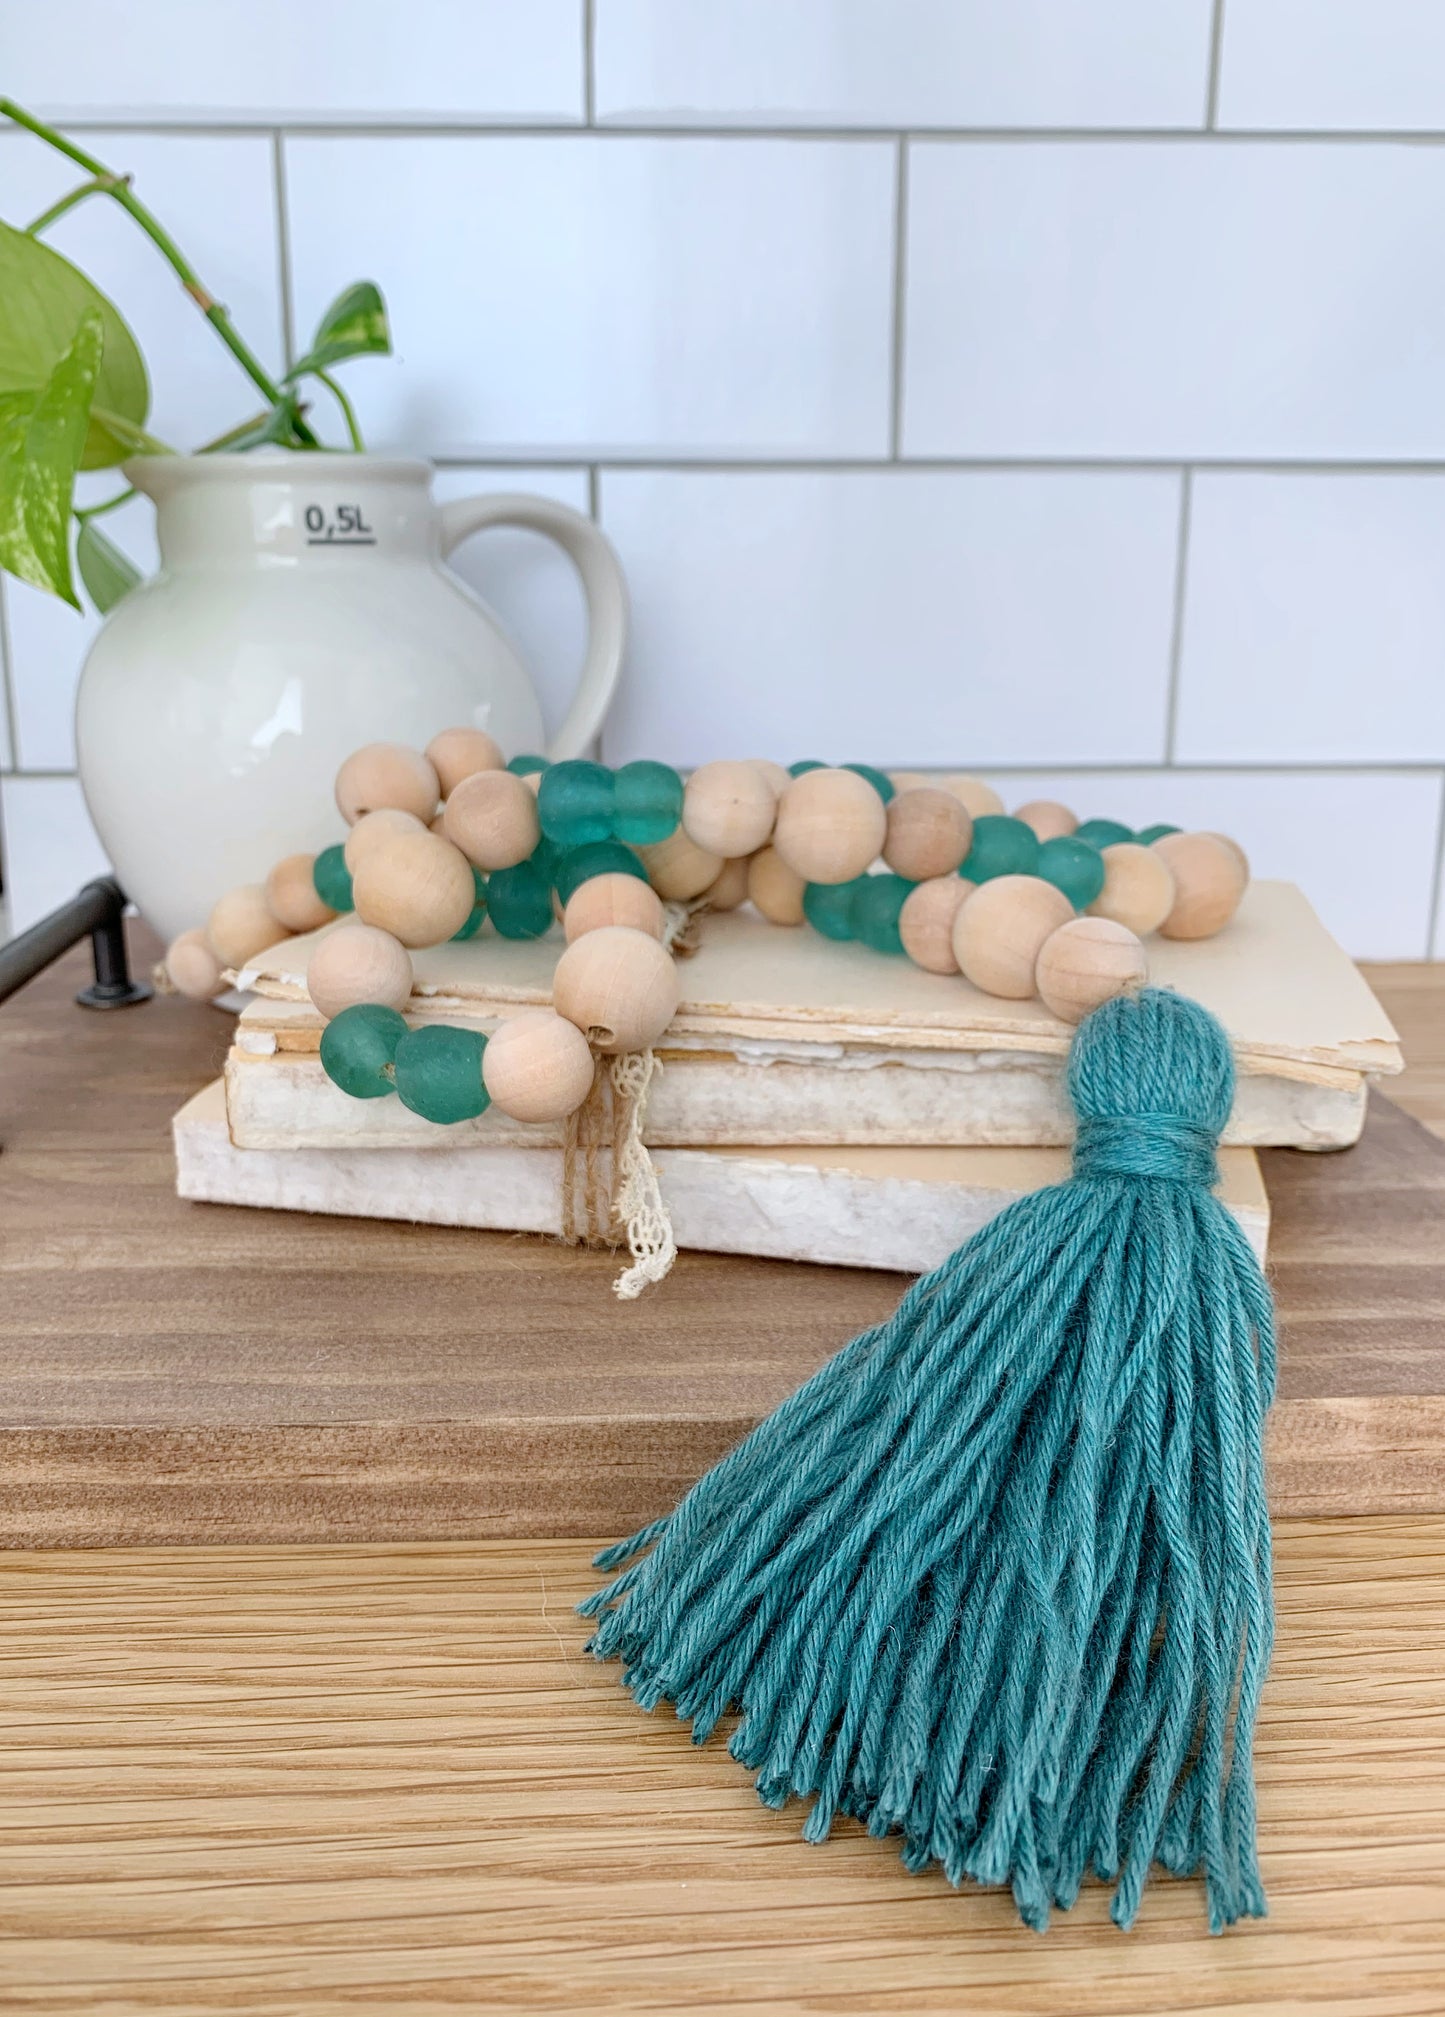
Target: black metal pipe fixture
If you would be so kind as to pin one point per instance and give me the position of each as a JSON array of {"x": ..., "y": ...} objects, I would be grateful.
[{"x": 98, "y": 910}]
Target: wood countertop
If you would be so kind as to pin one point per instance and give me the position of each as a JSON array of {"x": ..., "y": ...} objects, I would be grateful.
[{"x": 385, "y": 1778}]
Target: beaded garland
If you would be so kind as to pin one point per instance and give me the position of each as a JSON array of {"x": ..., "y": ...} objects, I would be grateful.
[{"x": 1066, "y": 910}]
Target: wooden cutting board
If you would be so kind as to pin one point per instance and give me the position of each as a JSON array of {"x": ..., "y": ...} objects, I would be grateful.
[{"x": 177, "y": 1372}]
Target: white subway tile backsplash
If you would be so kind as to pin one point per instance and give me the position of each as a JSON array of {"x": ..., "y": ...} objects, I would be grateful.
[
  {"x": 1314, "y": 619},
  {"x": 1241, "y": 300},
  {"x": 1305, "y": 826},
  {"x": 903, "y": 62},
  {"x": 50, "y": 846},
  {"x": 527, "y": 582},
  {"x": 273, "y": 61},
  {"x": 1333, "y": 65},
  {"x": 216, "y": 197},
  {"x": 894, "y": 615},
  {"x": 652, "y": 297}
]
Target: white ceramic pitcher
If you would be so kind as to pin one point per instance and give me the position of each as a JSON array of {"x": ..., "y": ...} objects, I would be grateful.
[{"x": 301, "y": 609}]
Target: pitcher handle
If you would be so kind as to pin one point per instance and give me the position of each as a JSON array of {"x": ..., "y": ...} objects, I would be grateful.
[{"x": 593, "y": 556}]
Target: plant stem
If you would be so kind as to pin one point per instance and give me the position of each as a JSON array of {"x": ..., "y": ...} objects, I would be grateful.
[
  {"x": 117, "y": 187},
  {"x": 348, "y": 411},
  {"x": 95, "y": 186},
  {"x": 85, "y": 511}
]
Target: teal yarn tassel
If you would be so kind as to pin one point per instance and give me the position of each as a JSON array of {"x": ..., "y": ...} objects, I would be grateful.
[{"x": 997, "y": 1579}]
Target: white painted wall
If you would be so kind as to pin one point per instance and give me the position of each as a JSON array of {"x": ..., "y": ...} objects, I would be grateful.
[{"x": 1050, "y": 388}]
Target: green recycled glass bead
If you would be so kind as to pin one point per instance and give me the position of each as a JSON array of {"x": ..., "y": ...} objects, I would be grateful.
[
  {"x": 358, "y": 1049},
  {"x": 880, "y": 782},
  {"x": 527, "y": 766},
  {"x": 1072, "y": 866},
  {"x": 1103, "y": 832},
  {"x": 575, "y": 802},
  {"x": 877, "y": 901},
  {"x": 479, "y": 908},
  {"x": 1147, "y": 835},
  {"x": 647, "y": 802},
  {"x": 520, "y": 901},
  {"x": 331, "y": 878},
  {"x": 805, "y": 763},
  {"x": 439, "y": 1074},
  {"x": 600, "y": 857},
  {"x": 1001, "y": 846},
  {"x": 828, "y": 906}
]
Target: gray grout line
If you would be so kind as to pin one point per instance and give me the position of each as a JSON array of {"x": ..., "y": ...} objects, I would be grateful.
[
  {"x": 592, "y": 494},
  {"x": 283, "y": 249},
  {"x": 1240, "y": 767},
  {"x": 589, "y": 61},
  {"x": 579, "y": 455},
  {"x": 900, "y": 291},
  {"x": 1176, "y": 627},
  {"x": 7, "y": 682},
  {"x": 1433, "y": 947},
  {"x": 1216, "y": 53}
]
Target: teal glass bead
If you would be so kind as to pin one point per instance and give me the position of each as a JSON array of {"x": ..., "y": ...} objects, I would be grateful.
[
  {"x": 527, "y": 766},
  {"x": 880, "y": 781},
  {"x": 1001, "y": 846},
  {"x": 358, "y": 1049},
  {"x": 600, "y": 857},
  {"x": 1073, "y": 866},
  {"x": 877, "y": 901},
  {"x": 439, "y": 1074},
  {"x": 520, "y": 901},
  {"x": 1103, "y": 833},
  {"x": 647, "y": 802},
  {"x": 806, "y": 763},
  {"x": 479, "y": 908},
  {"x": 1147, "y": 835},
  {"x": 575, "y": 802},
  {"x": 828, "y": 906},
  {"x": 331, "y": 878}
]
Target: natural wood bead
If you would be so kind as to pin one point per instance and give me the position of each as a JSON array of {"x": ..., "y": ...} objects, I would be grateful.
[
  {"x": 999, "y": 933},
  {"x": 980, "y": 798},
  {"x": 774, "y": 889},
  {"x": 461, "y": 752},
  {"x": 613, "y": 899},
  {"x": 729, "y": 808},
  {"x": 1208, "y": 883},
  {"x": 492, "y": 817},
  {"x": 1048, "y": 818},
  {"x": 291, "y": 894},
  {"x": 1234, "y": 848},
  {"x": 831, "y": 825},
  {"x": 417, "y": 886},
  {"x": 1138, "y": 888},
  {"x": 731, "y": 887},
  {"x": 929, "y": 832},
  {"x": 358, "y": 963},
  {"x": 678, "y": 868},
  {"x": 386, "y": 774},
  {"x": 618, "y": 986},
  {"x": 243, "y": 924},
  {"x": 538, "y": 1066},
  {"x": 193, "y": 967},
  {"x": 1085, "y": 962},
  {"x": 375, "y": 826},
  {"x": 777, "y": 775},
  {"x": 925, "y": 923}
]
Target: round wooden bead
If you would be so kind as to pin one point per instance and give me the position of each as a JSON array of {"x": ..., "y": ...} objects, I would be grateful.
[
  {"x": 462, "y": 752},
  {"x": 1138, "y": 888},
  {"x": 377, "y": 826},
  {"x": 1234, "y": 848},
  {"x": 678, "y": 868},
  {"x": 925, "y": 923},
  {"x": 776, "y": 774},
  {"x": 1208, "y": 884},
  {"x": 358, "y": 963},
  {"x": 1085, "y": 962},
  {"x": 774, "y": 889},
  {"x": 418, "y": 887},
  {"x": 242, "y": 924},
  {"x": 538, "y": 1066},
  {"x": 928, "y": 834},
  {"x": 980, "y": 798},
  {"x": 192, "y": 966},
  {"x": 731, "y": 887},
  {"x": 386, "y": 774},
  {"x": 729, "y": 808},
  {"x": 831, "y": 825},
  {"x": 618, "y": 986},
  {"x": 492, "y": 817},
  {"x": 999, "y": 933},
  {"x": 291, "y": 894},
  {"x": 612, "y": 899},
  {"x": 1048, "y": 818}
]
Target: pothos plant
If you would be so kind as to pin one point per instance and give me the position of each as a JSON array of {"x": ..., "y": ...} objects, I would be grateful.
[{"x": 75, "y": 395}]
